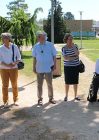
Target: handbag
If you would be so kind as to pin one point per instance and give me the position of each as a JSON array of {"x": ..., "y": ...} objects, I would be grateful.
[
  {"x": 81, "y": 66},
  {"x": 21, "y": 63}
]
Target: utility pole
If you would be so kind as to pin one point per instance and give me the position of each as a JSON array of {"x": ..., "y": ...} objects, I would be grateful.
[
  {"x": 81, "y": 28},
  {"x": 52, "y": 21}
]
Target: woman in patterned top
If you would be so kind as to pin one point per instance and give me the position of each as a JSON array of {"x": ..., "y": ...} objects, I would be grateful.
[{"x": 70, "y": 53}]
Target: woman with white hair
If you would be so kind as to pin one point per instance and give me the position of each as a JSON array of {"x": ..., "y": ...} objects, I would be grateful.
[{"x": 8, "y": 68}]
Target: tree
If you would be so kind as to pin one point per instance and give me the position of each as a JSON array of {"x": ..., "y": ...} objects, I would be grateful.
[
  {"x": 4, "y": 25},
  {"x": 18, "y": 16},
  {"x": 69, "y": 16},
  {"x": 16, "y": 5},
  {"x": 23, "y": 26},
  {"x": 59, "y": 25},
  {"x": 33, "y": 26},
  {"x": 17, "y": 29}
]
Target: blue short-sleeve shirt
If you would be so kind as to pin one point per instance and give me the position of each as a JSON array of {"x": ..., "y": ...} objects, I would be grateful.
[{"x": 44, "y": 54}]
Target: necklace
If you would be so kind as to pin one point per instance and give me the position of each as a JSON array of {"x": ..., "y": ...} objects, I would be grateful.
[{"x": 42, "y": 50}]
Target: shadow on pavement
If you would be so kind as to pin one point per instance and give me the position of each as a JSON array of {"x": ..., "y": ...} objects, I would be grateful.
[
  {"x": 65, "y": 120},
  {"x": 23, "y": 87}
]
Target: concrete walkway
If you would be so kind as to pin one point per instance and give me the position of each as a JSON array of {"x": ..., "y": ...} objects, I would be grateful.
[{"x": 64, "y": 121}]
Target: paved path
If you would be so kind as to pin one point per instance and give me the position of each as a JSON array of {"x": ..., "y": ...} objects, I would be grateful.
[{"x": 64, "y": 121}]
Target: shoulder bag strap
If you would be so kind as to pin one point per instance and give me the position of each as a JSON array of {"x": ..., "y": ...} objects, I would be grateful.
[{"x": 13, "y": 52}]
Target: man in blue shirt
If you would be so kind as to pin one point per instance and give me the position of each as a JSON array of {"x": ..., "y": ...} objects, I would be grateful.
[{"x": 44, "y": 55}]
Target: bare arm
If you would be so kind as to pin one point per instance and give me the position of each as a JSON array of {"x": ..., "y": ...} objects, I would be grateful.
[
  {"x": 76, "y": 55},
  {"x": 76, "y": 50}
]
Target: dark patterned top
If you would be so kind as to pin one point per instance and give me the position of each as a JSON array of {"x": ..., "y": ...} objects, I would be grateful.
[{"x": 70, "y": 52}]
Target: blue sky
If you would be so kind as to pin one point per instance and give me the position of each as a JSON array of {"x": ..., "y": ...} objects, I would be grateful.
[{"x": 90, "y": 8}]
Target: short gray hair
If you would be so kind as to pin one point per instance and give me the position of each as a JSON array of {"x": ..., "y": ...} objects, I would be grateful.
[
  {"x": 41, "y": 33},
  {"x": 7, "y": 35},
  {"x": 38, "y": 33}
]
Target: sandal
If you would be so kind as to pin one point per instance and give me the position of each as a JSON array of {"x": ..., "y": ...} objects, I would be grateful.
[
  {"x": 65, "y": 99},
  {"x": 77, "y": 98},
  {"x": 52, "y": 101},
  {"x": 40, "y": 102}
]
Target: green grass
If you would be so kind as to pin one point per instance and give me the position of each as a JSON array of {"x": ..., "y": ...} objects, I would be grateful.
[
  {"x": 88, "y": 44},
  {"x": 28, "y": 60},
  {"x": 89, "y": 49},
  {"x": 91, "y": 54}
]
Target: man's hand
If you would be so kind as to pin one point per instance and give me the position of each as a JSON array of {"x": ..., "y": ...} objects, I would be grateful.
[{"x": 53, "y": 67}]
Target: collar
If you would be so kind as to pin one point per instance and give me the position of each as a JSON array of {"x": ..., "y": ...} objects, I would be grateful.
[
  {"x": 43, "y": 43},
  {"x": 7, "y": 47}
]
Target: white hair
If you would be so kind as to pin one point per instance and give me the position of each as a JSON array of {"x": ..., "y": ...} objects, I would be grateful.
[
  {"x": 6, "y": 35},
  {"x": 41, "y": 33}
]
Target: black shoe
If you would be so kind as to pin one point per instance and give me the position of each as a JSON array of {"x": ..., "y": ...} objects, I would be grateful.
[
  {"x": 40, "y": 102},
  {"x": 65, "y": 99},
  {"x": 97, "y": 100},
  {"x": 77, "y": 98},
  {"x": 52, "y": 101}
]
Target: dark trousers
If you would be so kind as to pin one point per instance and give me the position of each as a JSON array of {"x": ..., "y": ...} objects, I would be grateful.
[{"x": 95, "y": 85}]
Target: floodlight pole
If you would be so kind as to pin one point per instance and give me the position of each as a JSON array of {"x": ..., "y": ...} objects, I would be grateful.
[
  {"x": 81, "y": 28},
  {"x": 52, "y": 21}
]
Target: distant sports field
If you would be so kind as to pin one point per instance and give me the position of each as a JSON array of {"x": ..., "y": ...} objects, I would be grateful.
[{"x": 90, "y": 48}]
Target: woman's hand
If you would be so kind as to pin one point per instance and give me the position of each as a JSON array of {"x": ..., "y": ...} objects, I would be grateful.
[
  {"x": 8, "y": 65},
  {"x": 77, "y": 53},
  {"x": 11, "y": 64}
]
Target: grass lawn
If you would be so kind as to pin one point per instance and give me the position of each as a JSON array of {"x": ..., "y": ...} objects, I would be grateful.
[
  {"x": 88, "y": 44},
  {"x": 92, "y": 54},
  {"x": 28, "y": 60},
  {"x": 90, "y": 49}
]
